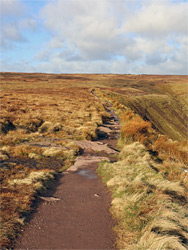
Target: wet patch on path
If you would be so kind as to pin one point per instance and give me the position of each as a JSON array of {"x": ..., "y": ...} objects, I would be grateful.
[{"x": 87, "y": 173}]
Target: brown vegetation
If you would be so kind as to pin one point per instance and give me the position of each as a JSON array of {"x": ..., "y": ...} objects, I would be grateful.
[
  {"x": 38, "y": 125},
  {"x": 173, "y": 149},
  {"x": 148, "y": 185},
  {"x": 136, "y": 129},
  {"x": 41, "y": 116},
  {"x": 151, "y": 210}
]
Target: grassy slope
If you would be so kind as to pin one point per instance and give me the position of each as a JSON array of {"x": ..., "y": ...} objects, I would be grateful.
[
  {"x": 164, "y": 111},
  {"x": 38, "y": 106},
  {"x": 146, "y": 205},
  {"x": 149, "y": 185},
  {"x": 160, "y": 99}
]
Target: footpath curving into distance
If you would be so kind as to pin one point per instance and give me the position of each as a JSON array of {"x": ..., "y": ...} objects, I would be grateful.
[{"x": 76, "y": 215}]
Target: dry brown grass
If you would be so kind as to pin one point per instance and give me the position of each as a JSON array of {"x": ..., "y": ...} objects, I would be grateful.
[
  {"x": 17, "y": 195},
  {"x": 25, "y": 150},
  {"x": 30, "y": 114},
  {"x": 49, "y": 115},
  {"x": 150, "y": 209},
  {"x": 174, "y": 154},
  {"x": 175, "y": 150},
  {"x": 18, "y": 188},
  {"x": 163, "y": 102},
  {"x": 126, "y": 116},
  {"x": 47, "y": 111},
  {"x": 61, "y": 108},
  {"x": 136, "y": 129},
  {"x": 149, "y": 186}
]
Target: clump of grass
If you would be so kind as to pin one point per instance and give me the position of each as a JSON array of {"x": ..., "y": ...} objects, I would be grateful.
[
  {"x": 52, "y": 152},
  {"x": 4, "y": 155},
  {"x": 89, "y": 131},
  {"x": 136, "y": 129},
  {"x": 33, "y": 177},
  {"x": 150, "y": 209},
  {"x": 175, "y": 150},
  {"x": 126, "y": 116},
  {"x": 25, "y": 150},
  {"x": 16, "y": 201},
  {"x": 15, "y": 137},
  {"x": 174, "y": 154},
  {"x": 50, "y": 127}
]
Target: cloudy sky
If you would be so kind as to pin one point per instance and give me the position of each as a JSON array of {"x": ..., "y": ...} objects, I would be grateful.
[{"x": 94, "y": 36}]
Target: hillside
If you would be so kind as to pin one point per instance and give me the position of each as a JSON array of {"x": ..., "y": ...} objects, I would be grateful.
[
  {"x": 159, "y": 99},
  {"x": 44, "y": 116}
]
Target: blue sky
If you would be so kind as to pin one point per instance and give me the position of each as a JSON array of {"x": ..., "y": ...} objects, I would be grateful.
[{"x": 94, "y": 36}]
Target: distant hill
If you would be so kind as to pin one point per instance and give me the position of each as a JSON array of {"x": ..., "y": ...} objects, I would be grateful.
[{"x": 161, "y": 99}]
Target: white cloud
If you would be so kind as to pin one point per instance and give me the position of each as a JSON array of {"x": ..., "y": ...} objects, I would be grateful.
[
  {"x": 28, "y": 23},
  {"x": 117, "y": 36},
  {"x": 11, "y": 8},
  {"x": 88, "y": 26},
  {"x": 100, "y": 32},
  {"x": 56, "y": 43},
  {"x": 11, "y": 32},
  {"x": 158, "y": 18},
  {"x": 14, "y": 22},
  {"x": 20, "y": 66}
]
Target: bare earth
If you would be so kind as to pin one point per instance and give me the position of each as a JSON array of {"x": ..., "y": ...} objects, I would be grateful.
[
  {"x": 79, "y": 220},
  {"x": 77, "y": 215}
]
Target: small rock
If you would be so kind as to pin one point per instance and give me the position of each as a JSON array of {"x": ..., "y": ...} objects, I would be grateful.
[
  {"x": 49, "y": 198},
  {"x": 96, "y": 195}
]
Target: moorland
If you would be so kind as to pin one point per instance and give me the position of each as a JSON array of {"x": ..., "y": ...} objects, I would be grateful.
[{"x": 42, "y": 115}]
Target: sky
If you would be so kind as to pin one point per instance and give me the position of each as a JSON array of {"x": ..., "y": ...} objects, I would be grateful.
[{"x": 94, "y": 36}]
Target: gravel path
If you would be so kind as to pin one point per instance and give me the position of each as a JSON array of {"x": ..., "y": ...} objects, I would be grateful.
[{"x": 79, "y": 218}]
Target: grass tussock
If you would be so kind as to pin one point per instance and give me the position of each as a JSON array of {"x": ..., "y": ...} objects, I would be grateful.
[
  {"x": 136, "y": 129},
  {"x": 173, "y": 154},
  {"x": 24, "y": 150},
  {"x": 17, "y": 195},
  {"x": 148, "y": 185},
  {"x": 173, "y": 149},
  {"x": 26, "y": 115},
  {"x": 126, "y": 116},
  {"x": 15, "y": 137},
  {"x": 149, "y": 209},
  {"x": 52, "y": 111},
  {"x": 38, "y": 126}
]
